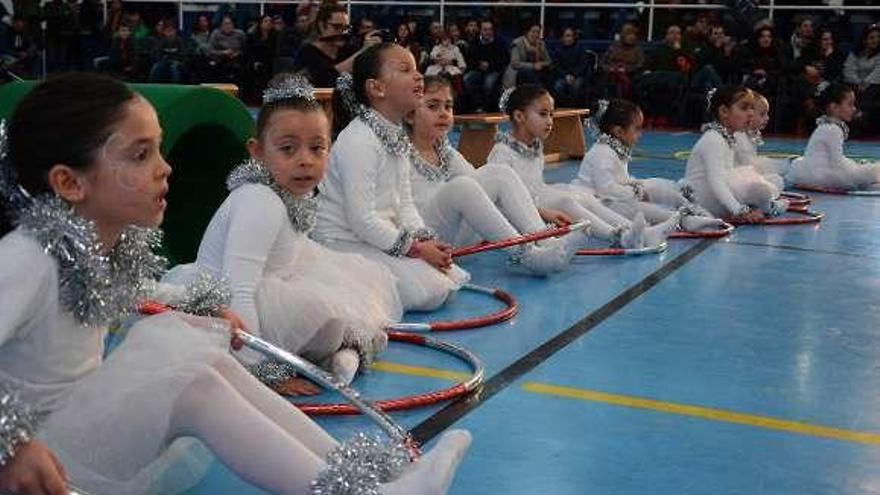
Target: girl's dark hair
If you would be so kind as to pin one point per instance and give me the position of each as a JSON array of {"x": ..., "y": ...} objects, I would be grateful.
[
  {"x": 441, "y": 81},
  {"x": 620, "y": 113},
  {"x": 292, "y": 103},
  {"x": 367, "y": 65},
  {"x": 834, "y": 93},
  {"x": 64, "y": 120},
  {"x": 523, "y": 96},
  {"x": 726, "y": 96}
]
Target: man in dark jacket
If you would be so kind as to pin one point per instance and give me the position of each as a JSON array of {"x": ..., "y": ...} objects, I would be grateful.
[{"x": 487, "y": 59}]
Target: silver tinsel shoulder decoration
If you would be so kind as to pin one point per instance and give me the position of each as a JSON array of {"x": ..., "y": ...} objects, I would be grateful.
[
  {"x": 821, "y": 87},
  {"x": 14, "y": 196},
  {"x": 439, "y": 173},
  {"x": 535, "y": 150},
  {"x": 206, "y": 295},
  {"x": 302, "y": 212},
  {"x": 360, "y": 465},
  {"x": 826, "y": 120},
  {"x": 622, "y": 151},
  {"x": 505, "y": 99},
  {"x": 393, "y": 137},
  {"x": 720, "y": 129},
  {"x": 98, "y": 289},
  {"x": 17, "y": 424},
  {"x": 288, "y": 86}
]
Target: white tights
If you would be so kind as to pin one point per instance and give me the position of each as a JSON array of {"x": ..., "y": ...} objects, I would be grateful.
[
  {"x": 275, "y": 446},
  {"x": 492, "y": 204}
]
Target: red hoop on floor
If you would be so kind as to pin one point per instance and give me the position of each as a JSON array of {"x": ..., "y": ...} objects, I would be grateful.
[
  {"x": 805, "y": 217},
  {"x": 515, "y": 241},
  {"x": 795, "y": 198},
  {"x": 704, "y": 234},
  {"x": 418, "y": 400},
  {"x": 836, "y": 190},
  {"x": 623, "y": 251},
  {"x": 468, "y": 323}
]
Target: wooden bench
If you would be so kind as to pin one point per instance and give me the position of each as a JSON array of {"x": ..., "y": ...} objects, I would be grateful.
[
  {"x": 325, "y": 96},
  {"x": 230, "y": 89},
  {"x": 565, "y": 142}
]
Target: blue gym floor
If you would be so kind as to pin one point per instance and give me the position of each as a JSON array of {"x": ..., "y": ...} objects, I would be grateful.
[{"x": 745, "y": 365}]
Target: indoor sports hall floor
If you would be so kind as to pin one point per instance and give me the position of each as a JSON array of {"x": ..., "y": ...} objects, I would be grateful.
[{"x": 747, "y": 365}]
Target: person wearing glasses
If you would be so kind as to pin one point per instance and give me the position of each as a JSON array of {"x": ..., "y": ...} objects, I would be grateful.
[{"x": 330, "y": 54}]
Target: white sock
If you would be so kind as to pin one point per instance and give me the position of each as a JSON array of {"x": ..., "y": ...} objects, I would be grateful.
[
  {"x": 433, "y": 473},
  {"x": 634, "y": 236},
  {"x": 344, "y": 364},
  {"x": 654, "y": 236}
]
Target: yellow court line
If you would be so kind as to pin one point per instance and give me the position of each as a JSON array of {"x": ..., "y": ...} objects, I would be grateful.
[
  {"x": 706, "y": 413},
  {"x": 405, "y": 369}
]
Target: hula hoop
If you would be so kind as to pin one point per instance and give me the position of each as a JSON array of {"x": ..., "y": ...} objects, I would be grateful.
[
  {"x": 805, "y": 217},
  {"x": 395, "y": 431},
  {"x": 511, "y": 309},
  {"x": 418, "y": 400},
  {"x": 835, "y": 190},
  {"x": 796, "y": 199},
  {"x": 623, "y": 251},
  {"x": 515, "y": 241},
  {"x": 703, "y": 234}
]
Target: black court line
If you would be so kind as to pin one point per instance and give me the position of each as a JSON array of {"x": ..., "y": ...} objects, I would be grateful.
[
  {"x": 431, "y": 427},
  {"x": 803, "y": 249}
]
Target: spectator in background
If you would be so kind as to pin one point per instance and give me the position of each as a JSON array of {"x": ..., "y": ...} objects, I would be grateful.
[
  {"x": 20, "y": 50},
  {"x": 802, "y": 39},
  {"x": 624, "y": 59},
  {"x": 488, "y": 58},
  {"x": 571, "y": 71},
  {"x": 123, "y": 55},
  {"x": 226, "y": 50},
  {"x": 171, "y": 57},
  {"x": 765, "y": 63},
  {"x": 405, "y": 37},
  {"x": 435, "y": 35},
  {"x": 862, "y": 71},
  {"x": 661, "y": 88},
  {"x": 365, "y": 28},
  {"x": 201, "y": 34},
  {"x": 115, "y": 18},
  {"x": 329, "y": 55},
  {"x": 455, "y": 35},
  {"x": 260, "y": 55},
  {"x": 862, "y": 68},
  {"x": 698, "y": 33},
  {"x": 278, "y": 24},
  {"x": 719, "y": 53},
  {"x": 289, "y": 42},
  {"x": 446, "y": 59},
  {"x": 471, "y": 33},
  {"x": 530, "y": 62},
  {"x": 812, "y": 68}
]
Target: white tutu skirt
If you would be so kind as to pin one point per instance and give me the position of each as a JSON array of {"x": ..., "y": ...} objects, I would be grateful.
[
  {"x": 845, "y": 175},
  {"x": 321, "y": 285},
  {"x": 111, "y": 431},
  {"x": 421, "y": 286}
]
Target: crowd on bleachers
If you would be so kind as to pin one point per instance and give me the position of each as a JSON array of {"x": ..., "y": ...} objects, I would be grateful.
[{"x": 692, "y": 52}]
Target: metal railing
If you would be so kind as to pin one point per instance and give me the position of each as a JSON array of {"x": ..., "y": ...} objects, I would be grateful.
[{"x": 771, "y": 6}]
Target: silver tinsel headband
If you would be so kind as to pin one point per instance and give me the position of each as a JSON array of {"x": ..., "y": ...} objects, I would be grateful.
[
  {"x": 505, "y": 99},
  {"x": 17, "y": 425},
  {"x": 289, "y": 86},
  {"x": 821, "y": 87}
]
